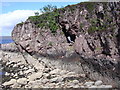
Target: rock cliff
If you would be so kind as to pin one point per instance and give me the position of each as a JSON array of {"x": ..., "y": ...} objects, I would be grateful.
[{"x": 89, "y": 29}]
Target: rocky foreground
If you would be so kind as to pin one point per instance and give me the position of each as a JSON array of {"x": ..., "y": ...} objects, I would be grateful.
[{"x": 37, "y": 74}]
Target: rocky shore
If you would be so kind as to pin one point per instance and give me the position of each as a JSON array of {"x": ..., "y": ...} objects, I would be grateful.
[
  {"x": 79, "y": 49},
  {"x": 37, "y": 74},
  {"x": 85, "y": 39}
]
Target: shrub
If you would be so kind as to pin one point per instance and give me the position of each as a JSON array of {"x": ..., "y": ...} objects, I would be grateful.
[
  {"x": 48, "y": 8},
  {"x": 20, "y": 23},
  {"x": 92, "y": 29},
  {"x": 36, "y": 13}
]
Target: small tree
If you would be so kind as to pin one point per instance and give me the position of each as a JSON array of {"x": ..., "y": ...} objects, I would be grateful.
[
  {"x": 48, "y": 8},
  {"x": 36, "y": 13}
]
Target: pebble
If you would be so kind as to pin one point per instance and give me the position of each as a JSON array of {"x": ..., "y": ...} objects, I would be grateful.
[{"x": 99, "y": 82}]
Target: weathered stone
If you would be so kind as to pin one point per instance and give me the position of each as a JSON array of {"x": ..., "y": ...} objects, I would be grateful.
[
  {"x": 82, "y": 86},
  {"x": 15, "y": 75},
  {"x": 108, "y": 86},
  {"x": 105, "y": 86},
  {"x": 71, "y": 73},
  {"x": 7, "y": 74},
  {"x": 47, "y": 70},
  {"x": 16, "y": 85},
  {"x": 44, "y": 81},
  {"x": 0, "y": 59},
  {"x": 70, "y": 84},
  {"x": 93, "y": 86},
  {"x": 60, "y": 79},
  {"x": 63, "y": 72},
  {"x": 34, "y": 76},
  {"x": 76, "y": 86},
  {"x": 29, "y": 71},
  {"x": 15, "y": 65},
  {"x": 26, "y": 68},
  {"x": 36, "y": 86},
  {"x": 22, "y": 81},
  {"x": 75, "y": 81},
  {"x": 55, "y": 71},
  {"x": 90, "y": 83},
  {"x": 39, "y": 66},
  {"x": 12, "y": 81},
  {"x": 46, "y": 75},
  {"x": 21, "y": 73},
  {"x": 54, "y": 80},
  {"x": 99, "y": 82}
]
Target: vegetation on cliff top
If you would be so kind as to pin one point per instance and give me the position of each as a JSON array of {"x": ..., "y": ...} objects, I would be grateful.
[
  {"x": 47, "y": 19},
  {"x": 50, "y": 17}
]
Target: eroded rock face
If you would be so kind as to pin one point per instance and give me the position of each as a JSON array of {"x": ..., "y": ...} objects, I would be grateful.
[
  {"x": 100, "y": 40},
  {"x": 92, "y": 28},
  {"x": 41, "y": 41}
]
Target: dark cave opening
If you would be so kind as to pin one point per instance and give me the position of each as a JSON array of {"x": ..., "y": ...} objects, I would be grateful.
[{"x": 70, "y": 37}]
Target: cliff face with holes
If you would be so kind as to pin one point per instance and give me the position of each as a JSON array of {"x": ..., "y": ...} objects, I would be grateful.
[{"x": 91, "y": 30}]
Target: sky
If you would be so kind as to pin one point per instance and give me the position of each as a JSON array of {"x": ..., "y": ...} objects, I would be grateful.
[{"x": 16, "y": 12}]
